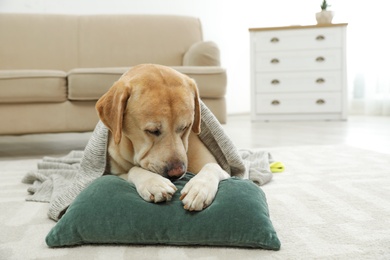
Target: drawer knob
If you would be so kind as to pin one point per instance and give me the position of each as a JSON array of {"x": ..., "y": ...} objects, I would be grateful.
[
  {"x": 320, "y": 101},
  {"x": 320, "y": 80},
  {"x": 320, "y": 38},
  {"x": 275, "y": 61},
  {"x": 275, "y": 82},
  {"x": 274, "y": 40},
  {"x": 275, "y": 102},
  {"x": 320, "y": 59}
]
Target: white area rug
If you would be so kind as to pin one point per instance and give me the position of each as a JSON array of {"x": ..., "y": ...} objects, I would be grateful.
[{"x": 332, "y": 202}]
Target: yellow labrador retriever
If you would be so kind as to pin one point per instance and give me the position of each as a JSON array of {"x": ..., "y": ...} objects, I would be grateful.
[{"x": 153, "y": 114}]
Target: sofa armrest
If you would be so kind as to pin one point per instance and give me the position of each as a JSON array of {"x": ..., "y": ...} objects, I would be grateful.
[{"x": 202, "y": 54}]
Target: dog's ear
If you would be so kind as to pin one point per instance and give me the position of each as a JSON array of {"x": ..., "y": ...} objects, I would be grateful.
[
  {"x": 111, "y": 107},
  {"x": 197, "y": 117}
]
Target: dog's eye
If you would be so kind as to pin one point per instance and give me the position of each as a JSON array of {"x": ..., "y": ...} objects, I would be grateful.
[
  {"x": 183, "y": 129},
  {"x": 154, "y": 132}
]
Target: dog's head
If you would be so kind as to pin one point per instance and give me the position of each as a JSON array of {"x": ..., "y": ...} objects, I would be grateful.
[{"x": 154, "y": 108}]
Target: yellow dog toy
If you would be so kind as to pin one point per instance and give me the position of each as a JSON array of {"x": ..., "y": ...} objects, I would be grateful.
[{"x": 277, "y": 167}]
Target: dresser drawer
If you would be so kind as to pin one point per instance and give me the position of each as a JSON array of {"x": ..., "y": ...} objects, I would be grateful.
[
  {"x": 298, "y": 103},
  {"x": 297, "y": 39},
  {"x": 316, "y": 81},
  {"x": 298, "y": 60}
]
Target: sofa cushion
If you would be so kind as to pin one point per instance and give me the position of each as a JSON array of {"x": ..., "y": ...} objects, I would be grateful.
[
  {"x": 211, "y": 80},
  {"x": 128, "y": 40},
  {"x": 38, "y": 41},
  {"x": 91, "y": 83},
  {"x": 202, "y": 54},
  {"x": 32, "y": 86},
  {"x": 28, "y": 118}
]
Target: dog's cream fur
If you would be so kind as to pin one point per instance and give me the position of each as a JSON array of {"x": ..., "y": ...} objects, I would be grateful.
[{"x": 153, "y": 114}]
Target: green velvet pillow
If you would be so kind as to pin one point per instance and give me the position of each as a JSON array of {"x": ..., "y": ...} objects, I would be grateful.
[{"x": 110, "y": 210}]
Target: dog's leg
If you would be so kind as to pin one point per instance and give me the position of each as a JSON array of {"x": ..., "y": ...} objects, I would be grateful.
[
  {"x": 151, "y": 186},
  {"x": 200, "y": 191}
]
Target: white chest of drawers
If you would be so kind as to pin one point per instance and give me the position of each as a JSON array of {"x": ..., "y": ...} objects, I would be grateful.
[{"x": 298, "y": 73}]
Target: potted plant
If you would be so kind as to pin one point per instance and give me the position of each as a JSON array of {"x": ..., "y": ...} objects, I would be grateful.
[{"x": 325, "y": 16}]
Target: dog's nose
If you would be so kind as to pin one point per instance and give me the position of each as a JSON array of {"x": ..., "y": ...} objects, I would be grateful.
[{"x": 175, "y": 170}]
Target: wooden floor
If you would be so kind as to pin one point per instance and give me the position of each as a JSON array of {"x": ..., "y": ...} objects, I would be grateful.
[{"x": 372, "y": 133}]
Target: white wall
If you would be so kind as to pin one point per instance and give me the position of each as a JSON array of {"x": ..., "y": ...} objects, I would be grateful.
[{"x": 225, "y": 22}]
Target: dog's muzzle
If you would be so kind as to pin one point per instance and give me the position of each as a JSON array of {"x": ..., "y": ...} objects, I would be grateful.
[{"x": 175, "y": 170}]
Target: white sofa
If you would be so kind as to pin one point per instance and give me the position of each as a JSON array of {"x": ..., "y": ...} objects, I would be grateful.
[{"x": 53, "y": 68}]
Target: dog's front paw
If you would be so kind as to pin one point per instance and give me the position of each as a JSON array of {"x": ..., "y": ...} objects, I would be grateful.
[
  {"x": 199, "y": 193},
  {"x": 156, "y": 189}
]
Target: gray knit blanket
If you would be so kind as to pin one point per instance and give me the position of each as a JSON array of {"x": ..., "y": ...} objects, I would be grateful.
[{"x": 59, "y": 180}]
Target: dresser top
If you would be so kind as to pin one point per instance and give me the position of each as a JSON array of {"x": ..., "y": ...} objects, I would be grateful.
[{"x": 297, "y": 27}]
